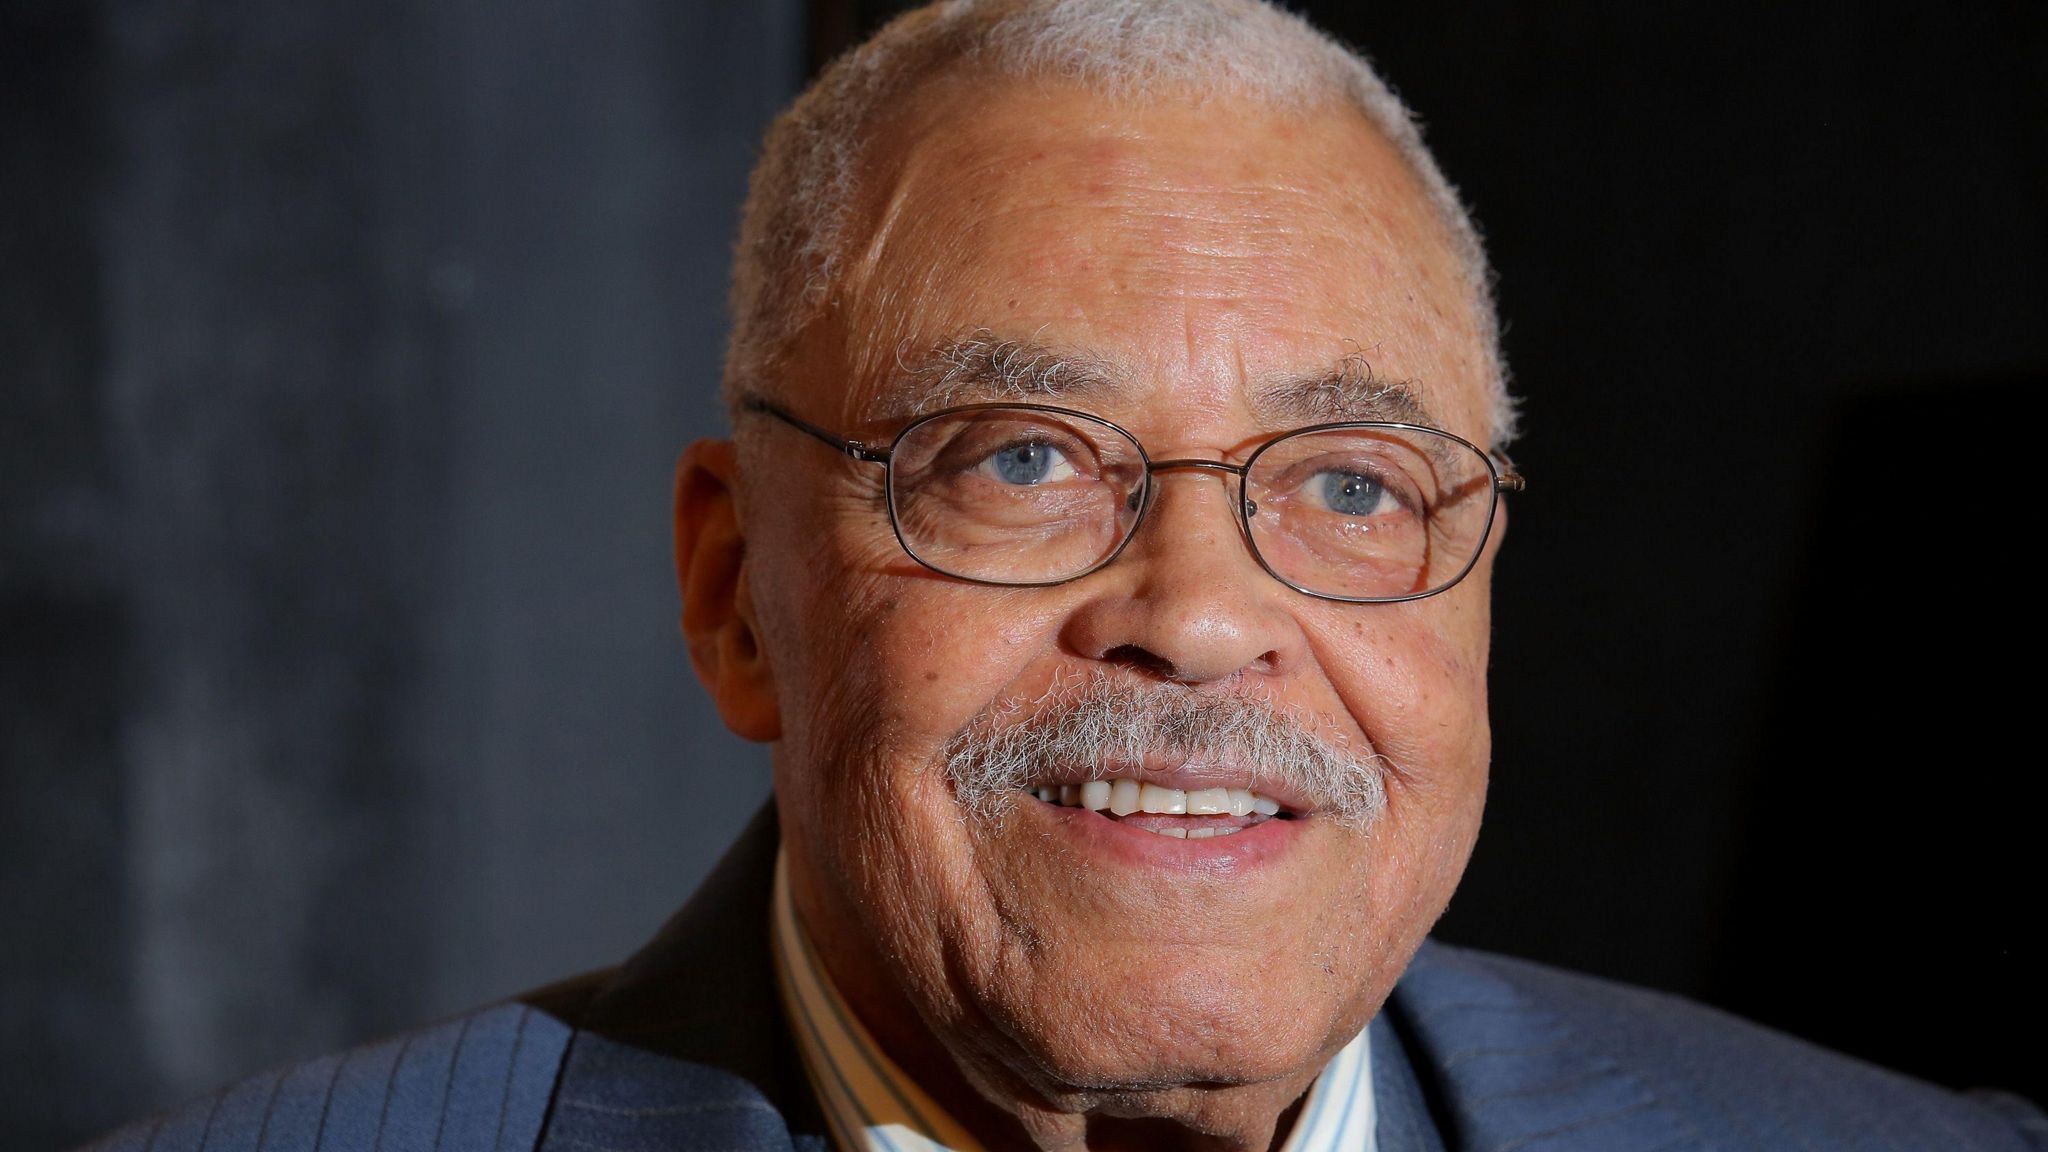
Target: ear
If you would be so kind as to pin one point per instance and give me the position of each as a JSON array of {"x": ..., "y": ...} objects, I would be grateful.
[{"x": 718, "y": 610}]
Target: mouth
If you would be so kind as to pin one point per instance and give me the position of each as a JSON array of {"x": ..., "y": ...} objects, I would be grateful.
[{"x": 1205, "y": 809}]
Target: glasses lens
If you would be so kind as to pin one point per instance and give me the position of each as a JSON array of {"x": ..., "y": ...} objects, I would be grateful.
[
  {"x": 1014, "y": 495},
  {"x": 1369, "y": 513}
]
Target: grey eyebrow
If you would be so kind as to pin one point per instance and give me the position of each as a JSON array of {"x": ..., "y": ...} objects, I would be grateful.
[
  {"x": 1348, "y": 391},
  {"x": 982, "y": 367}
]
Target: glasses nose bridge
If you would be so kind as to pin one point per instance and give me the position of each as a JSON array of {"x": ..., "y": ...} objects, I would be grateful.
[
  {"x": 1158, "y": 466},
  {"x": 1226, "y": 471},
  {"x": 1191, "y": 463}
]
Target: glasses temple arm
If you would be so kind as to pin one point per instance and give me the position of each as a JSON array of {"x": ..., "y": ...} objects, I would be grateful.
[
  {"x": 853, "y": 448},
  {"x": 1510, "y": 478}
]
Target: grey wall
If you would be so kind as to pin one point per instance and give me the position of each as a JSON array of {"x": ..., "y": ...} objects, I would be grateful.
[{"x": 348, "y": 347}]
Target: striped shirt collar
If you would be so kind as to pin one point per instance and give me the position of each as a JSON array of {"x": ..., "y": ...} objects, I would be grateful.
[{"x": 871, "y": 1105}]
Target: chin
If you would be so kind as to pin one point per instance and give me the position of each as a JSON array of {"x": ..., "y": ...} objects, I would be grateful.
[
  {"x": 1106, "y": 978},
  {"x": 1152, "y": 1023}
]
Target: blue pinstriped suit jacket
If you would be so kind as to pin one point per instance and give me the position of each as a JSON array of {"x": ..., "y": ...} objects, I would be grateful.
[{"x": 684, "y": 1049}]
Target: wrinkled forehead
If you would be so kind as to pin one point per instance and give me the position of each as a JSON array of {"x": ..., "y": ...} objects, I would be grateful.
[{"x": 1162, "y": 256}]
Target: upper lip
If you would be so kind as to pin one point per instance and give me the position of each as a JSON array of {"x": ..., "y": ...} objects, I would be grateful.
[{"x": 1186, "y": 774}]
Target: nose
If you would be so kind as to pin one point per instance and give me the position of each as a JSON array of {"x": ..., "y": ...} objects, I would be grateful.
[{"x": 1186, "y": 600}]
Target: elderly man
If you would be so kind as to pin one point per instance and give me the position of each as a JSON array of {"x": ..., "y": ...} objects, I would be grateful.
[{"x": 1104, "y": 548}]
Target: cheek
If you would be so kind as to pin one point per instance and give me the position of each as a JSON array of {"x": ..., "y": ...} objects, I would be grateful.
[
  {"x": 912, "y": 658},
  {"x": 879, "y": 662},
  {"x": 1413, "y": 676},
  {"x": 906, "y": 660}
]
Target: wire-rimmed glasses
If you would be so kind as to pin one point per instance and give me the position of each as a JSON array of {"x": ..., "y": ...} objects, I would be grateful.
[{"x": 1029, "y": 495}]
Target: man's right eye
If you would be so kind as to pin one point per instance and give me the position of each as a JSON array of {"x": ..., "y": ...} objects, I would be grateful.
[{"x": 1027, "y": 462}]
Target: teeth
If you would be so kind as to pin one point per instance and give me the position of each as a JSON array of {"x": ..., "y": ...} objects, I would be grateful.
[
  {"x": 1162, "y": 801},
  {"x": 1176, "y": 833},
  {"x": 1123, "y": 797}
]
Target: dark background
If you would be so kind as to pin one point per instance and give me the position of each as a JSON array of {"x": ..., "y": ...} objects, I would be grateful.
[{"x": 347, "y": 346}]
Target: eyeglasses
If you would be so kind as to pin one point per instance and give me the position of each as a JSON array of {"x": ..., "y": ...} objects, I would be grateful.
[{"x": 1027, "y": 495}]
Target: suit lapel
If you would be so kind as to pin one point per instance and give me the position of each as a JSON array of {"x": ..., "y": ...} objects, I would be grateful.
[
  {"x": 685, "y": 1046},
  {"x": 1504, "y": 1074},
  {"x": 1405, "y": 1123}
]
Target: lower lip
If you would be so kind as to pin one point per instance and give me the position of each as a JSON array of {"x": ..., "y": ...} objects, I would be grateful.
[{"x": 1255, "y": 846}]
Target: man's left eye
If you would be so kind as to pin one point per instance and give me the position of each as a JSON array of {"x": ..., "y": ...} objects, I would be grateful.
[
  {"x": 1030, "y": 462},
  {"x": 1351, "y": 493}
]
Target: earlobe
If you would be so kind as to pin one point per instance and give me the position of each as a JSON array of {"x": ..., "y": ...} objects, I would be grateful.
[{"x": 718, "y": 610}]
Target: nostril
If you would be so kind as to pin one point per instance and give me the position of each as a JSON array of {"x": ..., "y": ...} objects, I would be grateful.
[{"x": 1136, "y": 656}]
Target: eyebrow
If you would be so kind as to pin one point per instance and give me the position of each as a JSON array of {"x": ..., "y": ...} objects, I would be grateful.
[
  {"x": 983, "y": 367},
  {"x": 1350, "y": 390}
]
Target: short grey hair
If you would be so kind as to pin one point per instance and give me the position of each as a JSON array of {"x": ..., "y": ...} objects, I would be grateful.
[{"x": 800, "y": 200}]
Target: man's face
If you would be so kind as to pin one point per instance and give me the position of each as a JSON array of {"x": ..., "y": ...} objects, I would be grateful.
[{"x": 1209, "y": 260}]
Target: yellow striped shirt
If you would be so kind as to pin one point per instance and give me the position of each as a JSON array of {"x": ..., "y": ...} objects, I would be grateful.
[{"x": 873, "y": 1106}]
